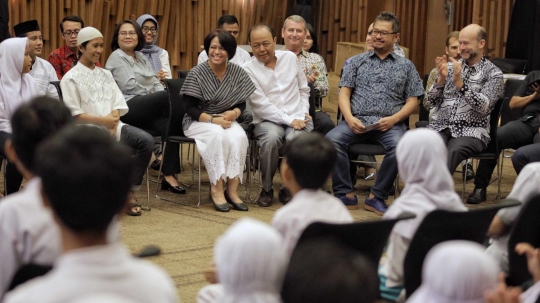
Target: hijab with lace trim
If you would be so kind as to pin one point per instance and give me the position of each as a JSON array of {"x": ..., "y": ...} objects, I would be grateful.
[
  {"x": 251, "y": 262},
  {"x": 16, "y": 88},
  {"x": 456, "y": 272},
  {"x": 150, "y": 50},
  {"x": 427, "y": 186}
]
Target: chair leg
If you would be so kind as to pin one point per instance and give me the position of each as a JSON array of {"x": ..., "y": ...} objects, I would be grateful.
[
  {"x": 464, "y": 181},
  {"x": 499, "y": 172},
  {"x": 147, "y": 192}
]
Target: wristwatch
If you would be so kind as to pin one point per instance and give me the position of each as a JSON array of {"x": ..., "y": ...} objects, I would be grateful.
[{"x": 210, "y": 121}]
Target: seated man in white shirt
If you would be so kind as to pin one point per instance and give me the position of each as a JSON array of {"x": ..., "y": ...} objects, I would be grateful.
[
  {"x": 230, "y": 24},
  {"x": 27, "y": 230},
  {"x": 308, "y": 161},
  {"x": 280, "y": 104},
  {"x": 42, "y": 71},
  {"x": 85, "y": 177}
]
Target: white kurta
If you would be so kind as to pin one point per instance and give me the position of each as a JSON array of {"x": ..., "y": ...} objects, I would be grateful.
[
  {"x": 240, "y": 57},
  {"x": 29, "y": 234},
  {"x": 98, "y": 269},
  {"x": 43, "y": 72},
  {"x": 281, "y": 94},
  {"x": 93, "y": 92},
  {"x": 306, "y": 207}
]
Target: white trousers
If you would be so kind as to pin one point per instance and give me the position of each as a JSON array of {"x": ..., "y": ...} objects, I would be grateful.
[{"x": 223, "y": 150}]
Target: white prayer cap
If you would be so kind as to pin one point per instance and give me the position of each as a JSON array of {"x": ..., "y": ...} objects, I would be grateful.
[
  {"x": 456, "y": 272},
  {"x": 88, "y": 33}
]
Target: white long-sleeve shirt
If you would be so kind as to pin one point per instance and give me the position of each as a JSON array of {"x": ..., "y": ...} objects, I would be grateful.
[
  {"x": 306, "y": 207},
  {"x": 106, "y": 269},
  {"x": 43, "y": 72},
  {"x": 281, "y": 94}
]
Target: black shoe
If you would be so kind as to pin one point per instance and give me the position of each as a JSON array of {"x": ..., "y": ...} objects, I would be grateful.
[
  {"x": 265, "y": 198},
  {"x": 175, "y": 189},
  {"x": 477, "y": 196},
  {"x": 155, "y": 164},
  {"x": 237, "y": 206},
  {"x": 219, "y": 207},
  {"x": 284, "y": 195},
  {"x": 469, "y": 175}
]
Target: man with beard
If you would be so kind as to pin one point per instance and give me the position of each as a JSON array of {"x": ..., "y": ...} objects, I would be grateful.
[{"x": 464, "y": 96}]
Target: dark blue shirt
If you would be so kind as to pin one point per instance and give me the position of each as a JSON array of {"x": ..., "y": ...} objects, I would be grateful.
[{"x": 380, "y": 87}]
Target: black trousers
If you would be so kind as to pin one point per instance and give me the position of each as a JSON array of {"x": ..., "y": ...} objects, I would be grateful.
[
  {"x": 152, "y": 112},
  {"x": 460, "y": 149},
  {"x": 514, "y": 134},
  {"x": 322, "y": 123},
  {"x": 13, "y": 177}
]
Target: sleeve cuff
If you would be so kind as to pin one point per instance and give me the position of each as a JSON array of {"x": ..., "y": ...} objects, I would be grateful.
[{"x": 288, "y": 120}]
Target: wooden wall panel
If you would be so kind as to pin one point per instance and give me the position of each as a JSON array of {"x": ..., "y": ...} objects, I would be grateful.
[{"x": 183, "y": 23}]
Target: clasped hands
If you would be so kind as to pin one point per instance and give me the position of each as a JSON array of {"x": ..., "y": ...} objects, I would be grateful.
[
  {"x": 442, "y": 68},
  {"x": 111, "y": 122},
  {"x": 225, "y": 119},
  {"x": 298, "y": 124},
  {"x": 358, "y": 127}
]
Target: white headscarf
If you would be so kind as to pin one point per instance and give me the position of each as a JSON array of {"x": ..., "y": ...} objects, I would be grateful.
[
  {"x": 15, "y": 88},
  {"x": 527, "y": 185},
  {"x": 456, "y": 272},
  {"x": 251, "y": 263},
  {"x": 421, "y": 155}
]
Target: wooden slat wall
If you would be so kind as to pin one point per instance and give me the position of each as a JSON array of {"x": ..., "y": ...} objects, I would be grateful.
[
  {"x": 413, "y": 19},
  {"x": 347, "y": 21},
  {"x": 494, "y": 16},
  {"x": 183, "y": 23}
]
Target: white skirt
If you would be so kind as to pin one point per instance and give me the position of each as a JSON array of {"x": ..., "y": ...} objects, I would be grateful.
[{"x": 223, "y": 150}]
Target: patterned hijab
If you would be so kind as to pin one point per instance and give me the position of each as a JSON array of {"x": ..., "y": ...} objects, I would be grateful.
[
  {"x": 427, "y": 186},
  {"x": 15, "y": 88},
  {"x": 150, "y": 50}
]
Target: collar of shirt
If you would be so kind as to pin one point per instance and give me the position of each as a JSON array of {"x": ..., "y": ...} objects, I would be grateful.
[
  {"x": 68, "y": 52},
  {"x": 475, "y": 67},
  {"x": 302, "y": 52},
  {"x": 392, "y": 55}
]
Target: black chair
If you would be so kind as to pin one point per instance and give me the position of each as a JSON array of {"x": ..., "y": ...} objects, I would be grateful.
[
  {"x": 491, "y": 152},
  {"x": 423, "y": 116},
  {"x": 508, "y": 114},
  {"x": 56, "y": 84},
  {"x": 368, "y": 238},
  {"x": 440, "y": 226},
  {"x": 182, "y": 74},
  {"x": 510, "y": 66},
  {"x": 175, "y": 134},
  {"x": 526, "y": 229}
]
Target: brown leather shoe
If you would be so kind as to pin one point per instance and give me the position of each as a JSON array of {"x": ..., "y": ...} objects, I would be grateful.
[{"x": 265, "y": 198}]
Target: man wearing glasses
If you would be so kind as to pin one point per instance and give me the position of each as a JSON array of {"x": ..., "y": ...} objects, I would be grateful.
[
  {"x": 230, "y": 24},
  {"x": 65, "y": 57},
  {"x": 378, "y": 90}
]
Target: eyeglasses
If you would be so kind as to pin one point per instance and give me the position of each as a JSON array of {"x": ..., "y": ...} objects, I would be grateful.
[
  {"x": 146, "y": 29},
  {"x": 70, "y": 33},
  {"x": 125, "y": 34},
  {"x": 384, "y": 34}
]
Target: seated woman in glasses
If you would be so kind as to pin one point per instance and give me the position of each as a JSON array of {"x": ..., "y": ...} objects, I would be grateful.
[
  {"x": 158, "y": 57},
  {"x": 146, "y": 98},
  {"x": 215, "y": 94}
]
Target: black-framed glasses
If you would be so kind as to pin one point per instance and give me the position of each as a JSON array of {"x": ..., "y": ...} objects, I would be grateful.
[
  {"x": 147, "y": 29},
  {"x": 70, "y": 33},
  {"x": 383, "y": 34},
  {"x": 125, "y": 34}
]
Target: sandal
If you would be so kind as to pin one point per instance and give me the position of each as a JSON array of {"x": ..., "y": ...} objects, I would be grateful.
[{"x": 131, "y": 206}]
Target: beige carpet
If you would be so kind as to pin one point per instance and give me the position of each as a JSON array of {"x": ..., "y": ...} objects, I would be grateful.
[{"x": 186, "y": 234}]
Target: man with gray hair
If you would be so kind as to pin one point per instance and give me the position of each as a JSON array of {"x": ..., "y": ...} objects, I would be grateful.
[
  {"x": 464, "y": 95},
  {"x": 293, "y": 33}
]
